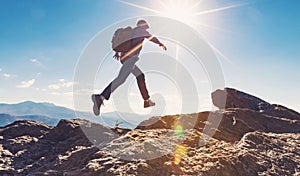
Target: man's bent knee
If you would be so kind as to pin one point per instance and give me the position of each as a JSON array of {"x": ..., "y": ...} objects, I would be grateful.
[{"x": 141, "y": 77}]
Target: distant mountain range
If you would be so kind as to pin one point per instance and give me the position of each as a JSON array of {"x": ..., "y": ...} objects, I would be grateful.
[
  {"x": 50, "y": 114},
  {"x": 7, "y": 119},
  {"x": 33, "y": 108}
]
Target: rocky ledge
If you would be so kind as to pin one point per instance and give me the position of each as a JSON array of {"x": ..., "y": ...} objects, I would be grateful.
[{"x": 247, "y": 136}]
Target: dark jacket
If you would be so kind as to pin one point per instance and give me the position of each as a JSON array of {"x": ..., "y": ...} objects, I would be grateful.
[{"x": 139, "y": 34}]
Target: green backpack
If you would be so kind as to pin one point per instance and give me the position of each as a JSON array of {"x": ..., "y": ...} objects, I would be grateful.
[{"x": 121, "y": 41}]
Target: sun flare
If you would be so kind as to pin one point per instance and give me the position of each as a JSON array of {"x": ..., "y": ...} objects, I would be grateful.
[
  {"x": 191, "y": 12},
  {"x": 186, "y": 11},
  {"x": 180, "y": 10}
]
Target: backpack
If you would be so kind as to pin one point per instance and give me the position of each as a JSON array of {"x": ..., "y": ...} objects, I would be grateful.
[{"x": 121, "y": 41}]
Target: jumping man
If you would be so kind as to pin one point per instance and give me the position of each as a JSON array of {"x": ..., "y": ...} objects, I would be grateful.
[{"x": 129, "y": 59}]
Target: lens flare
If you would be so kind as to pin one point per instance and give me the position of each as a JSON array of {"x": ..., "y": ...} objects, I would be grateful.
[
  {"x": 180, "y": 152},
  {"x": 179, "y": 132}
]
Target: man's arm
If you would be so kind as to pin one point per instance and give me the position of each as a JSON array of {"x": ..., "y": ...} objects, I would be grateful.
[{"x": 155, "y": 40}]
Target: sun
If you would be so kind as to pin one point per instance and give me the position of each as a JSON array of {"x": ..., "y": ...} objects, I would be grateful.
[
  {"x": 179, "y": 10},
  {"x": 186, "y": 11},
  {"x": 191, "y": 12}
]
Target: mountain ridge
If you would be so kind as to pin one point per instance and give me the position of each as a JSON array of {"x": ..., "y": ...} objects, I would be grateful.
[
  {"x": 6, "y": 119},
  {"x": 50, "y": 111}
]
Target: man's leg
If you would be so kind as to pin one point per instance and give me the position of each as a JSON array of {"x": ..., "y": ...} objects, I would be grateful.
[
  {"x": 140, "y": 77},
  {"x": 126, "y": 69}
]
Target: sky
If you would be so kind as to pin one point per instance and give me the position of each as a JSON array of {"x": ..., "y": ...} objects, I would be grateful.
[{"x": 257, "y": 44}]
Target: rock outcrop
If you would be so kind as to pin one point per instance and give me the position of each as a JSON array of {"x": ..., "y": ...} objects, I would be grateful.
[
  {"x": 242, "y": 113},
  {"x": 237, "y": 99},
  {"x": 247, "y": 136}
]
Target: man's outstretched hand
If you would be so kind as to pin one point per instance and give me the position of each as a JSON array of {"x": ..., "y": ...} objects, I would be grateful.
[
  {"x": 117, "y": 56},
  {"x": 163, "y": 46}
]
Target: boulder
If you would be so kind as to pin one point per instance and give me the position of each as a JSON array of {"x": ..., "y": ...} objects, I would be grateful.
[{"x": 232, "y": 98}]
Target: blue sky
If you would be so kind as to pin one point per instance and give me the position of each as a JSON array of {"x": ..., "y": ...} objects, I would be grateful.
[{"x": 41, "y": 41}]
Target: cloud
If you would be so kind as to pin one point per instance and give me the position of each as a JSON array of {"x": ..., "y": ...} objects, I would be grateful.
[
  {"x": 54, "y": 86},
  {"x": 62, "y": 93},
  {"x": 37, "y": 62},
  {"x": 55, "y": 93},
  {"x": 8, "y": 76},
  {"x": 61, "y": 84},
  {"x": 26, "y": 84}
]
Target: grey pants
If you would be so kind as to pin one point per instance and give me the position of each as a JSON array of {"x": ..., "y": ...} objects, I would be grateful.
[{"x": 127, "y": 68}]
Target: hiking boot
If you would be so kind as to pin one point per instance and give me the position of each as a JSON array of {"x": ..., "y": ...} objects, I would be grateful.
[
  {"x": 98, "y": 101},
  {"x": 148, "y": 103}
]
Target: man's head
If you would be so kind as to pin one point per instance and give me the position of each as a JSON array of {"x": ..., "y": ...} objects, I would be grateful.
[{"x": 142, "y": 23}]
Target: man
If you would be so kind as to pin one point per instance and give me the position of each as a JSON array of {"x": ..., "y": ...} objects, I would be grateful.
[{"x": 128, "y": 60}]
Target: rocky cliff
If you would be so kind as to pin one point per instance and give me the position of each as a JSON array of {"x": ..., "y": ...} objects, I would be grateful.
[{"x": 247, "y": 136}]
